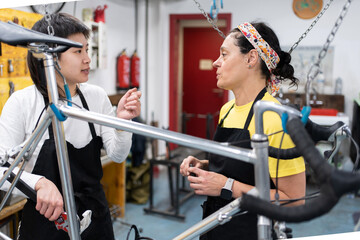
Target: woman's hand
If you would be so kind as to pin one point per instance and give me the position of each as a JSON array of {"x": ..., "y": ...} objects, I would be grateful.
[
  {"x": 49, "y": 201},
  {"x": 191, "y": 161},
  {"x": 205, "y": 182},
  {"x": 129, "y": 105}
]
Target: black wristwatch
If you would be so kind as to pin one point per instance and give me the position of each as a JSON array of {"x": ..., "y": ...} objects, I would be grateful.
[{"x": 226, "y": 191}]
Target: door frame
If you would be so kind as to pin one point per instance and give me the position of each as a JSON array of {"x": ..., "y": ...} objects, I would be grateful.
[{"x": 174, "y": 54}]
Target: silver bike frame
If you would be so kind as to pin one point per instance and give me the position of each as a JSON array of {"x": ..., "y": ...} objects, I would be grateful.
[{"x": 257, "y": 156}]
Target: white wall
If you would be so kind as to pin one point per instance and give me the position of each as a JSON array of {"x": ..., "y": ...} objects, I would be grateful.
[
  {"x": 277, "y": 13},
  {"x": 120, "y": 25}
]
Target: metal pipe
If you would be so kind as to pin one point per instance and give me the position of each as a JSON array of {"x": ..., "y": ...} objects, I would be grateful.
[
  {"x": 38, "y": 132},
  {"x": 261, "y": 167},
  {"x": 146, "y": 61},
  {"x": 245, "y": 155},
  {"x": 61, "y": 149},
  {"x": 12, "y": 186},
  {"x": 260, "y": 144},
  {"x": 262, "y": 106},
  {"x": 4, "y": 237},
  {"x": 221, "y": 216},
  {"x": 43, "y": 126}
]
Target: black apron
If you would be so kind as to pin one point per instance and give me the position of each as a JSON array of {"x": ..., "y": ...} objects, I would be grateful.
[
  {"x": 242, "y": 226},
  {"x": 86, "y": 173}
]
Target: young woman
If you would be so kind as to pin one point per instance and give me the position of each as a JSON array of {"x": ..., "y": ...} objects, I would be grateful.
[
  {"x": 84, "y": 140},
  {"x": 251, "y": 64}
]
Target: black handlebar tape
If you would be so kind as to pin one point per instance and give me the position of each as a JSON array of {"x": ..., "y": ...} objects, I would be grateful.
[
  {"x": 321, "y": 133},
  {"x": 333, "y": 183},
  {"x": 306, "y": 146},
  {"x": 317, "y": 133},
  {"x": 284, "y": 154},
  {"x": 317, "y": 207},
  {"x": 23, "y": 187}
]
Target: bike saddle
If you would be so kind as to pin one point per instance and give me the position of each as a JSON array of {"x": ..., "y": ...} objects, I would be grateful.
[{"x": 16, "y": 35}]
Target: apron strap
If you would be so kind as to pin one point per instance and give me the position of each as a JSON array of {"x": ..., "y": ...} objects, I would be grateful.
[
  {"x": 251, "y": 112},
  {"x": 222, "y": 120},
  {"x": 84, "y": 103}
]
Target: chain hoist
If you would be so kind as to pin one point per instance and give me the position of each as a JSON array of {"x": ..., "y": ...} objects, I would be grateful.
[
  {"x": 311, "y": 26},
  {"x": 47, "y": 16},
  {"x": 209, "y": 19},
  {"x": 51, "y": 32},
  {"x": 315, "y": 68},
  {"x": 57, "y": 66}
]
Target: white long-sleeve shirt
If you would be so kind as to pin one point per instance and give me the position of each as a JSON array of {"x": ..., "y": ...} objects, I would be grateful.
[{"x": 22, "y": 110}]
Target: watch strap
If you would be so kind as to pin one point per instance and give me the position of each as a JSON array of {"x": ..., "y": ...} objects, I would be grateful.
[{"x": 229, "y": 183}]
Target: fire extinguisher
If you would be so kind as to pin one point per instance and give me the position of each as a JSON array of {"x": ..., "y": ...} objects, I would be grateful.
[
  {"x": 99, "y": 14},
  {"x": 135, "y": 70},
  {"x": 123, "y": 71}
]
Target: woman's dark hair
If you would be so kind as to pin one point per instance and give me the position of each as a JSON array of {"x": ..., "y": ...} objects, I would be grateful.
[
  {"x": 284, "y": 71},
  {"x": 64, "y": 25}
]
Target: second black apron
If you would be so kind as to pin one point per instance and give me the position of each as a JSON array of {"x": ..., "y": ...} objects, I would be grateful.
[
  {"x": 86, "y": 173},
  {"x": 242, "y": 226}
]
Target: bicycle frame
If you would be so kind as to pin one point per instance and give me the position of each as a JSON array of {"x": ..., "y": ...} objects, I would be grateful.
[{"x": 257, "y": 156}]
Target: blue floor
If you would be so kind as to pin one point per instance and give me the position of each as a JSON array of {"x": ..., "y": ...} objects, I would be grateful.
[{"x": 158, "y": 227}]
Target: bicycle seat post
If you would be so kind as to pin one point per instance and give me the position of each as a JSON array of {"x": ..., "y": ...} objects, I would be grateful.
[
  {"x": 260, "y": 144},
  {"x": 41, "y": 52}
]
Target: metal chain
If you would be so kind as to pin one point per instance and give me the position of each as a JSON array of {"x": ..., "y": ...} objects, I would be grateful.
[
  {"x": 51, "y": 32},
  {"x": 50, "y": 28},
  {"x": 311, "y": 26},
  {"x": 315, "y": 68},
  {"x": 209, "y": 19}
]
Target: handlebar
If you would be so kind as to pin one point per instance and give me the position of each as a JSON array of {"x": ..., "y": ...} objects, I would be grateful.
[
  {"x": 318, "y": 133},
  {"x": 333, "y": 183}
]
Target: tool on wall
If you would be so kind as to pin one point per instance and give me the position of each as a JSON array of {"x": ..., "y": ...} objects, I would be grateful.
[
  {"x": 10, "y": 66},
  {"x": 12, "y": 87},
  {"x": 135, "y": 70},
  {"x": 123, "y": 71}
]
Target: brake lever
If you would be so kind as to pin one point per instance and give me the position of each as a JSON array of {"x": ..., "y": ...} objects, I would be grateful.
[
  {"x": 337, "y": 137},
  {"x": 281, "y": 231},
  {"x": 12, "y": 153}
]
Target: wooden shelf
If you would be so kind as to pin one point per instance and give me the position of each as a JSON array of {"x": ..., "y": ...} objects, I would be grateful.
[
  {"x": 114, "y": 183},
  {"x": 10, "y": 210},
  {"x": 328, "y": 100}
]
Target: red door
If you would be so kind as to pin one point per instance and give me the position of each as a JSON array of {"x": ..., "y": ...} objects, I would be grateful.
[{"x": 202, "y": 99}]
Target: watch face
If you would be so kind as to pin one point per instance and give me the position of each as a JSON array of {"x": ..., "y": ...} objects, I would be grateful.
[
  {"x": 226, "y": 194},
  {"x": 51, "y": 8}
]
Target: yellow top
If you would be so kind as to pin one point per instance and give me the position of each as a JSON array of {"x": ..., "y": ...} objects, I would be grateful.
[{"x": 272, "y": 124}]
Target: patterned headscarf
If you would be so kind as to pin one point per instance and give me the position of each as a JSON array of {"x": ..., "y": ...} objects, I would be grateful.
[{"x": 267, "y": 54}]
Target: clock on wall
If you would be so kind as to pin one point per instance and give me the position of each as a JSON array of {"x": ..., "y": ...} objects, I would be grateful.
[
  {"x": 51, "y": 8},
  {"x": 307, "y": 9}
]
